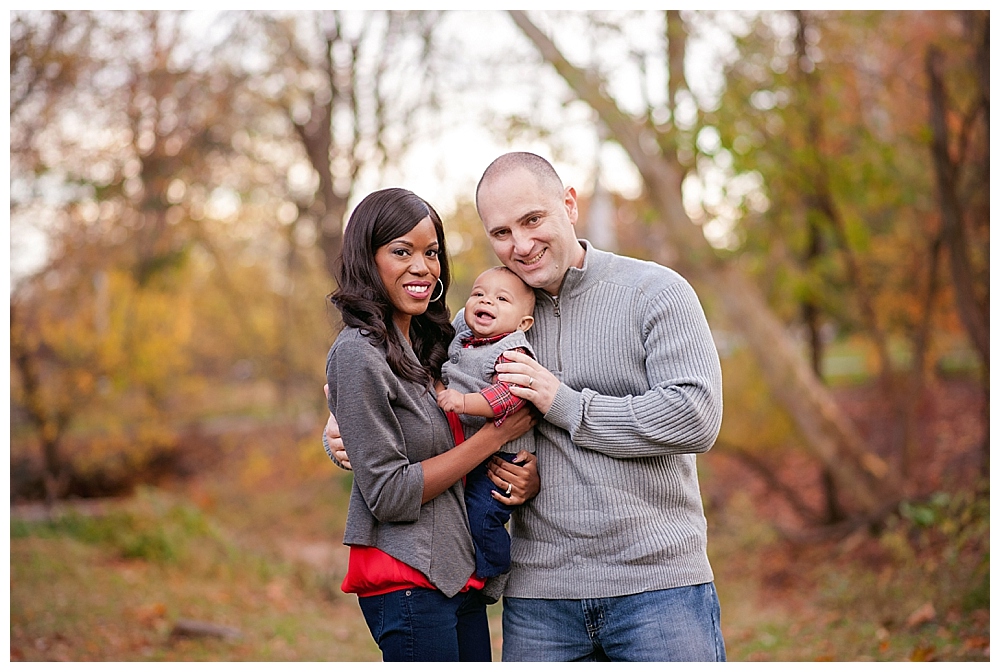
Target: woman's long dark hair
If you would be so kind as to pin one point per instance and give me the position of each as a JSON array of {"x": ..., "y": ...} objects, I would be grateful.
[{"x": 362, "y": 299}]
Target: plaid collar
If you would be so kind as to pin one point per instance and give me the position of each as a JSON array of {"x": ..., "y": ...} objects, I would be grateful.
[{"x": 475, "y": 342}]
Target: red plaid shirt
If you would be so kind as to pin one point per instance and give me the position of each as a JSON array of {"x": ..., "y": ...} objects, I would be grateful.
[{"x": 499, "y": 396}]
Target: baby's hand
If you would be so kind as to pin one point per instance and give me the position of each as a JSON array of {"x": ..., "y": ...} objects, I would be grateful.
[{"x": 451, "y": 401}]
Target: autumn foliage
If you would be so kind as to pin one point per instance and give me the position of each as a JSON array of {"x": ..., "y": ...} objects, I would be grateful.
[{"x": 178, "y": 190}]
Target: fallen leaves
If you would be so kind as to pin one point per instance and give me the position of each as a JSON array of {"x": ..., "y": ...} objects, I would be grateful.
[
  {"x": 922, "y": 654},
  {"x": 150, "y": 615},
  {"x": 924, "y": 614}
]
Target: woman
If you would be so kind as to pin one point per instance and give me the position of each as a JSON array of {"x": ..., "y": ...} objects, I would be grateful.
[{"x": 412, "y": 560}]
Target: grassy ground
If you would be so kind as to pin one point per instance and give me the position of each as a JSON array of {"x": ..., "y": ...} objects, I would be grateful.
[
  {"x": 255, "y": 545},
  {"x": 916, "y": 591},
  {"x": 76, "y": 598}
]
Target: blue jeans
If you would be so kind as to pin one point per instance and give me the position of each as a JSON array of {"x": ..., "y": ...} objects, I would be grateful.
[
  {"x": 487, "y": 518},
  {"x": 677, "y": 624},
  {"x": 418, "y": 624}
]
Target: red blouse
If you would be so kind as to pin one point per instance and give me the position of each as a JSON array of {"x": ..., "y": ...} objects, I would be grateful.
[{"x": 372, "y": 572}]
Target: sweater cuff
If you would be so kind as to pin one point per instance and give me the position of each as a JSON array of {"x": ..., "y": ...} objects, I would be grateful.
[
  {"x": 565, "y": 409},
  {"x": 329, "y": 452}
]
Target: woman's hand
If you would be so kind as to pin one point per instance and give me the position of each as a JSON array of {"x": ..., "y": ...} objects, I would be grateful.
[
  {"x": 521, "y": 477},
  {"x": 514, "y": 425},
  {"x": 442, "y": 471},
  {"x": 528, "y": 379},
  {"x": 333, "y": 438}
]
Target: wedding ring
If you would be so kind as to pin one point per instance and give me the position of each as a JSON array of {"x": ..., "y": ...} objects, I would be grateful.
[
  {"x": 530, "y": 381},
  {"x": 510, "y": 486}
]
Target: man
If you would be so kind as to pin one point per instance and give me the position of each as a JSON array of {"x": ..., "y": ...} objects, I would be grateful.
[{"x": 609, "y": 560}]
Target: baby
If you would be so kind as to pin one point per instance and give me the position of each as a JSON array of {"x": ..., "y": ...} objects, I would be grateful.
[{"x": 497, "y": 315}]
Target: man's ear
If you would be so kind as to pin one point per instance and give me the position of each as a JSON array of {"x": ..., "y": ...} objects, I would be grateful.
[
  {"x": 569, "y": 200},
  {"x": 525, "y": 323}
]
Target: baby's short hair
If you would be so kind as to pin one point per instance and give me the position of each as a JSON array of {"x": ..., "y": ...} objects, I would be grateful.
[{"x": 527, "y": 288}]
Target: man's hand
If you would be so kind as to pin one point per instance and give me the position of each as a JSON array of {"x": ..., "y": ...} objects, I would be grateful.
[
  {"x": 333, "y": 438},
  {"x": 451, "y": 401},
  {"x": 528, "y": 379}
]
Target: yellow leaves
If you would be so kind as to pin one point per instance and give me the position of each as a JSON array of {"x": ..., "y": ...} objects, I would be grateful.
[
  {"x": 857, "y": 233},
  {"x": 752, "y": 419},
  {"x": 121, "y": 444},
  {"x": 256, "y": 469},
  {"x": 150, "y": 331},
  {"x": 312, "y": 459},
  {"x": 107, "y": 357}
]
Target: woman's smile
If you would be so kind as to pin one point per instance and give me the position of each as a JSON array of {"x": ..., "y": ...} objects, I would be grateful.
[{"x": 418, "y": 290}]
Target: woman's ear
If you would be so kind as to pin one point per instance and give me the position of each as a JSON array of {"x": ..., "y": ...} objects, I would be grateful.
[{"x": 525, "y": 323}]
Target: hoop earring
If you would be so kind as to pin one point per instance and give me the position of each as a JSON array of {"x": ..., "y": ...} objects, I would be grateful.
[{"x": 440, "y": 294}]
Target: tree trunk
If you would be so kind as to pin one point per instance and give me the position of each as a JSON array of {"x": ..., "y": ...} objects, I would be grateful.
[
  {"x": 973, "y": 313},
  {"x": 952, "y": 216},
  {"x": 819, "y": 199},
  {"x": 49, "y": 427},
  {"x": 821, "y": 206},
  {"x": 826, "y": 431},
  {"x": 917, "y": 377},
  {"x": 824, "y": 428},
  {"x": 328, "y": 207}
]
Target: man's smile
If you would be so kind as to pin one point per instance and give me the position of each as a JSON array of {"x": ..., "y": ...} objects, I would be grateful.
[{"x": 533, "y": 260}]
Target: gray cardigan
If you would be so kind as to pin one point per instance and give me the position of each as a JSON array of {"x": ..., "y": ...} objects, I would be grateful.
[
  {"x": 389, "y": 426},
  {"x": 619, "y": 511}
]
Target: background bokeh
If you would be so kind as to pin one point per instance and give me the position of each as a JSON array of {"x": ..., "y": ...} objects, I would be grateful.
[{"x": 178, "y": 186}]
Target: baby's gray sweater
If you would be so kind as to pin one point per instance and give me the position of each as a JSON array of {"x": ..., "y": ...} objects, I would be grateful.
[
  {"x": 620, "y": 509},
  {"x": 472, "y": 369}
]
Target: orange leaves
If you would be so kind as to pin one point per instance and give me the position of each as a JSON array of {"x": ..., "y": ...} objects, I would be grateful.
[
  {"x": 922, "y": 653},
  {"x": 151, "y": 615}
]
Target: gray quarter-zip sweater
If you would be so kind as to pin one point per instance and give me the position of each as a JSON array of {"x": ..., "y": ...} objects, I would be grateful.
[{"x": 619, "y": 511}]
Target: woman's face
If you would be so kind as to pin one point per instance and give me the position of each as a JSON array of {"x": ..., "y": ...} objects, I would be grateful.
[{"x": 409, "y": 269}]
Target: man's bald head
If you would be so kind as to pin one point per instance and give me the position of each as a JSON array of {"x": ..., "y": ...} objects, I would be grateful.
[{"x": 541, "y": 169}]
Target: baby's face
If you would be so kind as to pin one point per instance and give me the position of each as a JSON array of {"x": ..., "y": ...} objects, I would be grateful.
[{"x": 498, "y": 303}]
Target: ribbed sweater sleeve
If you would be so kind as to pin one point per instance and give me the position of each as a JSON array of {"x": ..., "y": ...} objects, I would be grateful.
[
  {"x": 361, "y": 392},
  {"x": 681, "y": 412}
]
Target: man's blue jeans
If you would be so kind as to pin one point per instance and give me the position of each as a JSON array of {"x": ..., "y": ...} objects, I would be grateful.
[
  {"x": 677, "y": 624},
  {"x": 419, "y": 624}
]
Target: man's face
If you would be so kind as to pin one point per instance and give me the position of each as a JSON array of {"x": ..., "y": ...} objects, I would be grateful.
[{"x": 530, "y": 227}]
